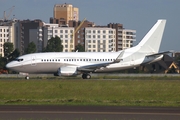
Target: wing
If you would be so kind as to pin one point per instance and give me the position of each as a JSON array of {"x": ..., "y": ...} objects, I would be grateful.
[{"x": 94, "y": 67}]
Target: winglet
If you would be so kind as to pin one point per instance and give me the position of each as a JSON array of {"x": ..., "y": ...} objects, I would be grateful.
[{"x": 119, "y": 58}]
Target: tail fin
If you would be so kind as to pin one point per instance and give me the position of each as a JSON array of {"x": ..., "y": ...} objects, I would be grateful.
[{"x": 152, "y": 40}]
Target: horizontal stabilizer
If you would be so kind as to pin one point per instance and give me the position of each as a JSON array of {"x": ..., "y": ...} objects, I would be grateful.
[{"x": 161, "y": 53}]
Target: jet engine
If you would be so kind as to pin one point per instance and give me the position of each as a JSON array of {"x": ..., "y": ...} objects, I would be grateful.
[{"x": 67, "y": 71}]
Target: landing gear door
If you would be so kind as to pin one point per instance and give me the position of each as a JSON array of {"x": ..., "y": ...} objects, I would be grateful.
[{"x": 33, "y": 61}]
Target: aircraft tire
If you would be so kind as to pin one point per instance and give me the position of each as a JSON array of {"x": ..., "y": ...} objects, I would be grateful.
[
  {"x": 86, "y": 76},
  {"x": 27, "y": 77}
]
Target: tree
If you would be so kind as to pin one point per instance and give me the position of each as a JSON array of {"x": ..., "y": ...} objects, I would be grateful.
[
  {"x": 9, "y": 54},
  {"x": 31, "y": 48},
  {"x": 80, "y": 48},
  {"x": 8, "y": 49},
  {"x": 54, "y": 45},
  {"x": 2, "y": 62},
  {"x": 14, "y": 54}
]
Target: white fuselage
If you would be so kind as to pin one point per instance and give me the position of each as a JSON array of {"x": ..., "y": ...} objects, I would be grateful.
[{"x": 50, "y": 62}]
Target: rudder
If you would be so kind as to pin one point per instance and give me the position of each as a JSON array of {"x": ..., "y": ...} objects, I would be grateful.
[{"x": 152, "y": 40}]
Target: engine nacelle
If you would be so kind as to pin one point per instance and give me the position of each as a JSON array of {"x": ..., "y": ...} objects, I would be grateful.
[{"x": 67, "y": 71}]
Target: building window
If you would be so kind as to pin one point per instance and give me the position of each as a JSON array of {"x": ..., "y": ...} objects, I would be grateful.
[{"x": 61, "y": 31}]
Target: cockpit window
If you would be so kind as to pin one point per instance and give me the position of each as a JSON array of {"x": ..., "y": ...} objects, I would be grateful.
[{"x": 19, "y": 59}]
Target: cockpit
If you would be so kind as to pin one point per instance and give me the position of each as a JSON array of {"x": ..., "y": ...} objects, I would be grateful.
[{"x": 18, "y": 59}]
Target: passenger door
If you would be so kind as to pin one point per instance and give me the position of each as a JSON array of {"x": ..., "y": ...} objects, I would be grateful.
[{"x": 33, "y": 60}]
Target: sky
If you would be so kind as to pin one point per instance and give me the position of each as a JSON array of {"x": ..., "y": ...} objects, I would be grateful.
[{"x": 139, "y": 15}]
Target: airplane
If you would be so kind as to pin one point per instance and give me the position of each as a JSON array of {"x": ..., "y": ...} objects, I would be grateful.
[{"x": 76, "y": 63}]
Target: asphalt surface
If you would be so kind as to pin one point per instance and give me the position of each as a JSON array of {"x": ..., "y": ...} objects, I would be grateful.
[{"x": 19, "y": 112}]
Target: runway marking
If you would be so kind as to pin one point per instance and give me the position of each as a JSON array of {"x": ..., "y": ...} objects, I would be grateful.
[{"x": 102, "y": 113}]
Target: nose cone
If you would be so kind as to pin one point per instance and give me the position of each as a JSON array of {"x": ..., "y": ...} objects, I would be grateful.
[{"x": 9, "y": 65}]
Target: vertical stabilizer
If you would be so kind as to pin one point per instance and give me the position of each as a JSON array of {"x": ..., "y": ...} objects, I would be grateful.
[{"x": 152, "y": 40}]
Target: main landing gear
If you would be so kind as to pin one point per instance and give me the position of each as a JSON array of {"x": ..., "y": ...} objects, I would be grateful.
[
  {"x": 27, "y": 77},
  {"x": 86, "y": 76}
]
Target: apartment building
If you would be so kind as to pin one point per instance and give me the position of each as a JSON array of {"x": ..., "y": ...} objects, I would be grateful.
[
  {"x": 63, "y": 13},
  {"x": 128, "y": 37},
  {"x": 79, "y": 35},
  {"x": 27, "y": 27},
  {"x": 65, "y": 34},
  {"x": 6, "y": 35},
  {"x": 100, "y": 39},
  {"x": 124, "y": 37}
]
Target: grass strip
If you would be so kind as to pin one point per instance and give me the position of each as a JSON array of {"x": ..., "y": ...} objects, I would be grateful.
[{"x": 149, "y": 92}]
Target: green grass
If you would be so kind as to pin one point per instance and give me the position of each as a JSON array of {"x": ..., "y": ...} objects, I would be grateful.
[{"x": 143, "y": 92}]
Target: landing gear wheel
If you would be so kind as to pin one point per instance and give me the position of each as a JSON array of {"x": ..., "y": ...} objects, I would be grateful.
[
  {"x": 27, "y": 77},
  {"x": 86, "y": 76}
]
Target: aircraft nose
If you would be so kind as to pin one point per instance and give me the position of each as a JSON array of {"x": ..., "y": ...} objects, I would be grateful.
[{"x": 9, "y": 65}]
